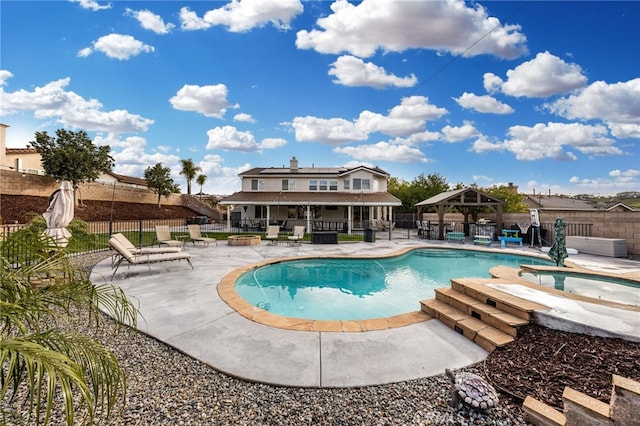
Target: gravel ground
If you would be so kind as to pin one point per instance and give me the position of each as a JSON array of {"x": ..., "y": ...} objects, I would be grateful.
[{"x": 167, "y": 387}]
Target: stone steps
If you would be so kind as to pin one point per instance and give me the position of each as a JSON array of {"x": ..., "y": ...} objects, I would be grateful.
[{"x": 488, "y": 317}]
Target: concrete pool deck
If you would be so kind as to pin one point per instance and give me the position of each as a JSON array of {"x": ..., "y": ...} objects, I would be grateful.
[{"x": 181, "y": 307}]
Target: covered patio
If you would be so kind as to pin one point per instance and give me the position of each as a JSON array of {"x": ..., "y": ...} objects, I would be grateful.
[{"x": 342, "y": 212}]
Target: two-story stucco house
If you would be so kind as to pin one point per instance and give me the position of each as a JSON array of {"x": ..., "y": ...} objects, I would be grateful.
[{"x": 320, "y": 198}]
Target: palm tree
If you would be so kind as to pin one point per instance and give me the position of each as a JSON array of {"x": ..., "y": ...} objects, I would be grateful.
[
  {"x": 200, "y": 181},
  {"x": 189, "y": 171},
  {"x": 37, "y": 351}
]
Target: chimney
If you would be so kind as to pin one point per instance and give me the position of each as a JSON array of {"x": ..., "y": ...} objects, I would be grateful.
[{"x": 293, "y": 164}]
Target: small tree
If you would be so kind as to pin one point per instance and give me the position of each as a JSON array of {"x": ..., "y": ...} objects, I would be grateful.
[
  {"x": 159, "y": 181},
  {"x": 72, "y": 156},
  {"x": 200, "y": 181},
  {"x": 189, "y": 171},
  {"x": 39, "y": 349}
]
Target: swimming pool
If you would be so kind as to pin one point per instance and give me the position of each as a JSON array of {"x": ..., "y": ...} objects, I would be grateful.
[
  {"x": 364, "y": 288},
  {"x": 597, "y": 287}
]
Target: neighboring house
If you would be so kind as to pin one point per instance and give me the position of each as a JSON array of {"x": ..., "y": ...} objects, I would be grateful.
[
  {"x": 111, "y": 178},
  {"x": 320, "y": 198},
  {"x": 557, "y": 202}
]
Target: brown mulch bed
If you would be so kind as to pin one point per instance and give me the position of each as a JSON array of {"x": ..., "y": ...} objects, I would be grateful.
[
  {"x": 20, "y": 208},
  {"x": 542, "y": 362}
]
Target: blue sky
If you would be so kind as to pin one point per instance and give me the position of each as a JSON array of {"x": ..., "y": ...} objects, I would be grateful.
[{"x": 542, "y": 94}]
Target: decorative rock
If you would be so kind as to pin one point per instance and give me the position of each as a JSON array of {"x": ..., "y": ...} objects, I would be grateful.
[{"x": 472, "y": 390}]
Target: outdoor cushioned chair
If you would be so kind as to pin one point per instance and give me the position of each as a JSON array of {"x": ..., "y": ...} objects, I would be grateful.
[
  {"x": 273, "y": 234},
  {"x": 194, "y": 233},
  {"x": 142, "y": 250},
  {"x": 163, "y": 236},
  {"x": 144, "y": 259},
  {"x": 298, "y": 235}
]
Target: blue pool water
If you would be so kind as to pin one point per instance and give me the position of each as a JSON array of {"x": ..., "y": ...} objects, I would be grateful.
[
  {"x": 612, "y": 289},
  {"x": 355, "y": 289}
]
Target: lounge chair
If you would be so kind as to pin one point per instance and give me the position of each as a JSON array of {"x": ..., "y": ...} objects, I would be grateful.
[
  {"x": 298, "y": 235},
  {"x": 194, "y": 233},
  {"x": 163, "y": 236},
  {"x": 142, "y": 250},
  {"x": 273, "y": 234},
  {"x": 143, "y": 259}
]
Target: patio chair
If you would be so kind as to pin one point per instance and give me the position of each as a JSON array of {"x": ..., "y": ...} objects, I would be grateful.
[
  {"x": 163, "y": 236},
  {"x": 273, "y": 233},
  {"x": 143, "y": 259},
  {"x": 196, "y": 235},
  {"x": 298, "y": 235},
  {"x": 142, "y": 250}
]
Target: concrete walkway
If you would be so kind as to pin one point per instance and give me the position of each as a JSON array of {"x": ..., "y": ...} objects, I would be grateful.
[{"x": 181, "y": 307}]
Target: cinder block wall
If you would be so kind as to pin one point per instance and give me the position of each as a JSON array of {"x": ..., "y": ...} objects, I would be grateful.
[{"x": 16, "y": 183}]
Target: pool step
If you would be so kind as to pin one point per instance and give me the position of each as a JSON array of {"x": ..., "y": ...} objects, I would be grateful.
[{"x": 488, "y": 317}]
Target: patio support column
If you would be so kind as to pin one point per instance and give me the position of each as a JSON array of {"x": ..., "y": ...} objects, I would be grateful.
[
  {"x": 308, "y": 218},
  {"x": 228, "y": 217},
  {"x": 349, "y": 218},
  {"x": 266, "y": 225}
]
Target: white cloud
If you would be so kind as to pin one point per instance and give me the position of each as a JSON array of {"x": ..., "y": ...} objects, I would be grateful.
[
  {"x": 352, "y": 71},
  {"x": 132, "y": 155},
  {"x": 4, "y": 76},
  {"x": 616, "y": 181},
  {"x": 244, "y": 15},
  {"x": 91, "y": 4},
  {"x": 483, "y": 144},
  {"x": 210, "y": 101},
  {"x": 457, "y": 134},
  {"x": 117, "y": 46},
  {"x": 150, "y": 21},
  {"x": 70, "y": 109},
  {"x": 228, "y": 138},
  {"x": 394, "y": 26},
  {"x": 616, "y": 104},
  {"x": 403, "y": 120},
  {"x": 332, "y": 131},
  {"x": 383, "y": 151},
  {"x": 271, "y": 143},
  {"x": 491, "y": 82},
  {"x": 543, "y": 76},
  {"x": 486, "y": 104},
  {"x": 219, "y": 178},
  {"x": 243, "y": 117},
  {"x": 550, "y": 140}
]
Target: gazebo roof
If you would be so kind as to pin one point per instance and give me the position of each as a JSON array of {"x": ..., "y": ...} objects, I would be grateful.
[{"x": 468, "y": 197}]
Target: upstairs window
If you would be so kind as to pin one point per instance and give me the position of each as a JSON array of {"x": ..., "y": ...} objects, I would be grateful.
[
  {"x": 333, "y": 185},
  {"x": 361, "y": 184},
  {"x": 323, "y": 185},
  {"x": 257, "y": 185},
  {"x": 313, "y": 185},
  {"x": 288, "y": 184},
  {"x": 346, "y": 184}
]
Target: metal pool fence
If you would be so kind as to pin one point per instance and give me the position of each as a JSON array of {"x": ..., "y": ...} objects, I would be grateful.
[{"x": 142, "y": 232}]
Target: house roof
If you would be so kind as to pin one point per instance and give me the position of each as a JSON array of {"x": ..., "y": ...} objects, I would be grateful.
[
  {"x": 325, "y": 198},
  {"x": 620, "y": 206},
  {"x": 555, "y": 202},
  {"x": 128, "y": 179},
  {"x": 460, "y": 197},
  {"x": 28, "y": 150},
  {"x": 310, "y": 171}
]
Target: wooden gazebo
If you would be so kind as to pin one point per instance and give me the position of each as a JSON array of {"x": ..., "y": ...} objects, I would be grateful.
[{"x": 466, "y": 200}]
